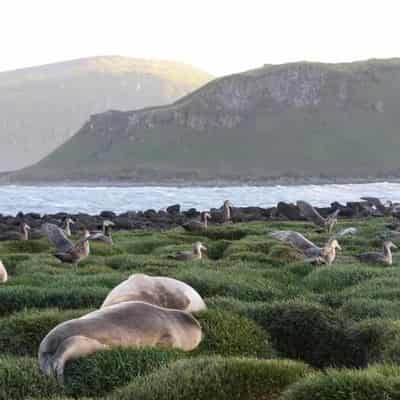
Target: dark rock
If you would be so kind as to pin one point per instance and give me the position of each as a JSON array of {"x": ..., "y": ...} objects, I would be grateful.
[
  {"x": 289, "y": 211},
  {"x": 150, "y": 214},
  {"x": 33, "y": 216},
  {"x": 108, "y": 214},
  {"x": 191, "y": 213},
  {"x": 174, "y": 209}
]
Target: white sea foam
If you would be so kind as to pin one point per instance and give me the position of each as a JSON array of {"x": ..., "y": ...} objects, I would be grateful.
[{"x": 92, "y": 200}]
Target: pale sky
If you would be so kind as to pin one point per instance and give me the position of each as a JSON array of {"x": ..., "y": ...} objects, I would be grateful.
[{"x": 219, "y": 36}]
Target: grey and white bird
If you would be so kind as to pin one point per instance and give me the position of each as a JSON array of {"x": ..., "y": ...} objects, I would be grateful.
[
  {"x": 68, "y": 252},
  {"x": 195, "y": 226},
  {"x": 313, "y": 253},
  {"x": 384, "y": 257},
  {"x": 312, "y": 215},
  {"x": 195, "y": 254}
]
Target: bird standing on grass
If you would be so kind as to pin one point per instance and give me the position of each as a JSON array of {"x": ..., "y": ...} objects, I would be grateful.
[
  {"x": 312, "y": 215},
  {"x": 195, "y": 254},
  {"x": 198, "y": 226},
  {"x": 21, "y": 234},
  {"x": 68, "y": 252},
  {"x": 379, "y": 258},
  {"x": 313, "y": 253}
]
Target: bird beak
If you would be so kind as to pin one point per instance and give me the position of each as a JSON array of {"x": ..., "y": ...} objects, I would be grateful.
[
  {"x": 204, "y": 248},
  {"x": 338, "y": 247},
  {"x": 28, "y": 227}
]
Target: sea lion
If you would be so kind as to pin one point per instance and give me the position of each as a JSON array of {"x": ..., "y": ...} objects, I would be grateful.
[
  {"x": 158, "y": 290},
  {"x": 132, "y": 323},
  {"x": 3, "y": 273}
]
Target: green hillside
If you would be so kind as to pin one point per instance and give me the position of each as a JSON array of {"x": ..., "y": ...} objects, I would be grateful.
[
  {"x": 296, "y": 120},
  {"x": 42, "y": 107}
]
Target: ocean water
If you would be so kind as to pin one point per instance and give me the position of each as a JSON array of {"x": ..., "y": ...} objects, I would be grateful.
[{"x": 92, "y": 200}]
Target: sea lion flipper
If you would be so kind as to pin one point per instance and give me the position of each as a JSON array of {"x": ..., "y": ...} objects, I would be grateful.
[{"x": 70, "y": 349}]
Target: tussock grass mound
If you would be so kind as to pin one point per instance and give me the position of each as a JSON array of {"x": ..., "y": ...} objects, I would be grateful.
[
  {"x": 21, "y": 333},
  {"x": 368, "y": 384},
  {"x": 232, "y": 283},
  {"x": 231, "y": 334},
  {"x": 139, "y": 263},
  {"x": 249, "y": 256},
  {"x": 104, "y": 371},
  {"x": 315, "y": 334},
  {"x": 216, "y": 250},
  {"x": 20, "y": 379},
  {"x": 13, "y": 260},
  {"x": 338, "y": 277},
  {"x": 304, "y": 331},
  {"x": 228, "y": 232},
  {"x": 359, "y": 309},
  {"x": 147, "y": 245},
  {"x": 285, "y": 254},
  {"x": 18, "y": 298},
  {"x": 386, "y": 287},
  {"x": 27, "y": 246},
  {"x": 250, "y": 244},
  {"x": 216, "y": 378}
]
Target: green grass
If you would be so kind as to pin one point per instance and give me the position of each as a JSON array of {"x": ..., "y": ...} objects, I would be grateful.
[{"x": 264, "y": 304}]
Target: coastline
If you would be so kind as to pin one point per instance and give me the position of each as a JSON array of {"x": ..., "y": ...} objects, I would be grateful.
[{"x": 281, "y": 181}]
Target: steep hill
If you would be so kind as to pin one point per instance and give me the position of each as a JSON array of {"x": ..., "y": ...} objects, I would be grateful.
[
  {"x": 42, "y": 107},
  {"x": 296, "y": 120}
]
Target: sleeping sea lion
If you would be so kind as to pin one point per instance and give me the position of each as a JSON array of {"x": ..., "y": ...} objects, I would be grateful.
[
  {"x": 158, "y": 290},
  {"x": 133, "y": 323}
]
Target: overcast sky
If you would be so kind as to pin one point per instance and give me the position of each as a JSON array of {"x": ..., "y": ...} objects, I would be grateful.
[{"x": 220, "y": 36}]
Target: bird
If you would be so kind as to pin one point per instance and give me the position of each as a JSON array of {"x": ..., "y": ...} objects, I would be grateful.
[
  {"x": 67, "y": 252},
  {"x": 309, "y": 212},
  {"x": 105, "y": 230},
  {"x": 379, "y": 258},
  {"x": 195, "y": 254},
  {"x": 313, "y": 253},
  {"x": 227, "y": 206},
  {"x": 21, "y": 234},
  {"x": 67, "y": 226},
  {"x": 377, "y": 206},
  {"x": 198, "y": 226},
  {"x": 3, "y": 273}
]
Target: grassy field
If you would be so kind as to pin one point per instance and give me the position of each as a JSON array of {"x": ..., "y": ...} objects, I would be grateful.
[{"x": 276, "y": 328}]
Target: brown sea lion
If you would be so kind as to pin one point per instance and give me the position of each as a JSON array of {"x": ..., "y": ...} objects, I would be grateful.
[
  {"x": 158, "y": 290},
  {"x": 3, "y": 273},
  {"x": 133, "y": 323}
]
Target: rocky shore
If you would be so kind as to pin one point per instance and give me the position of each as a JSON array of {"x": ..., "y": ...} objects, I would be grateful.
[{"x": 173, "y": 216}]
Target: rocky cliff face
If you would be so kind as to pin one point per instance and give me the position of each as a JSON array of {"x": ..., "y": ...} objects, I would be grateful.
[
  {"x": 227, "y": 101},
  {"x": 42, "y": 107},
  {"x": 296, "y": 120}
]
